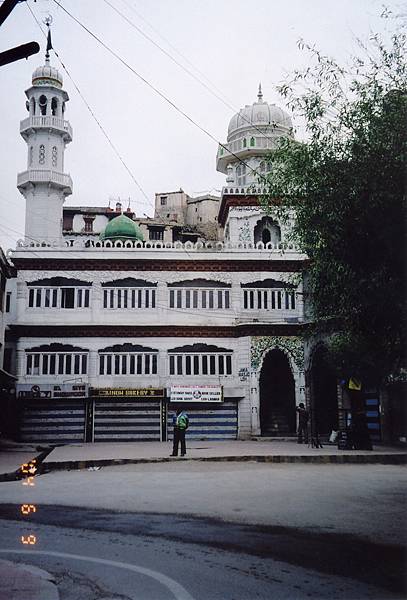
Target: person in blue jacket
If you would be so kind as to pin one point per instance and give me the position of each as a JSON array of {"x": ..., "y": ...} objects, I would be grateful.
[{"x": 180, "y": 421}]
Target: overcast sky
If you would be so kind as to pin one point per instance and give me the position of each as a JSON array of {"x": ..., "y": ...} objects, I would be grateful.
[{"x": 233, "y": 43}]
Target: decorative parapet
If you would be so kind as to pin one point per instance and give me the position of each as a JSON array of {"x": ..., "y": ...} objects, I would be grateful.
[
  {"x": 211, "y": 246},
  {"x": 251, "y": 189},
  {"x": 293, "y": 345}
]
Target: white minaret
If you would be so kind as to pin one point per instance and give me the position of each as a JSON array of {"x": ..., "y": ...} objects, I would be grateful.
[{"x": 44, "y": 184}]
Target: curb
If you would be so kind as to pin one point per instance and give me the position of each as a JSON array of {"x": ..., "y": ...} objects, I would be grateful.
[
  {"x": 380, "y": 459},
  {"x": 18, "y": 474},
  {"x": 23, "y": 581}
]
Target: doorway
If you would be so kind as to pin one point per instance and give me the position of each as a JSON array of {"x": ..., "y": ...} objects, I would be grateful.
[{"x": 277, "y": 396}]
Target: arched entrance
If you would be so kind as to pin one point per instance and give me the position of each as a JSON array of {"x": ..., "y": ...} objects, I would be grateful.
[
  {"x": 277, "y": 395},
  {"x": 324, "y": 398}
]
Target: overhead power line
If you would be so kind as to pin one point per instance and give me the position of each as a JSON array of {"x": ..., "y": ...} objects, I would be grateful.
[
  {"x": 188, "y": 71},
  {"x": 155, "y": 89},
  {"x": 102, "y": 129}
]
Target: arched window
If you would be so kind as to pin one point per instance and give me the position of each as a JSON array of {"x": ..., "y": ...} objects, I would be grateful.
[
  {"x": 241, "y": 174},
  {"x": 262, "y": 167},
  {"x": 31, "y": 156},
  {"x": 41, "y": 156},
  {"x": 43, "y": 104},
  {"x": 54, "y": 107},
  {"x": 32, "y": 107},
  {"x": 244, "y": 143},
  {"x": 267, "y": 230},
  {"x": 54, "y": 156},
  {"x": 252, "y": 141}
]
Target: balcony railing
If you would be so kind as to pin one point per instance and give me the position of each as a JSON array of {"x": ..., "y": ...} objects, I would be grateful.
[
  {"x": 46, "y": 121},
  {"x": 60, "y": 180}
]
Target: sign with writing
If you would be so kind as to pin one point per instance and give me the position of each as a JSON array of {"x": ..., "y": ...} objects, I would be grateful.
[
  {"x": 63, "y": 390},
  {"x": 127, "y": 392},
  {"x": 196, "y": 393}
]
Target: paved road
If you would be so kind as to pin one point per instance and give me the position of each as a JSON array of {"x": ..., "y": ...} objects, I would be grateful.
[
  {"x": 227, "y": 531},
  {"x": 366, "y": 500},
  {"x": 108, "y": 556}
]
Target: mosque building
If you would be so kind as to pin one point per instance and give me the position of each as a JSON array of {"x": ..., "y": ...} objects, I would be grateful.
[{"x": 116, "y": 319}]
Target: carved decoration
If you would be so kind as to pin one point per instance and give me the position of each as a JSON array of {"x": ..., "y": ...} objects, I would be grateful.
[
  {"x": 293, "y": 346},
  {"x": 245, "y": 234}
]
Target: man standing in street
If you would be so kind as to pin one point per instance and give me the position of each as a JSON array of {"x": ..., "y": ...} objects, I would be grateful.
[
  {"x": 180, "y": 422},
  {"x": 302, "y": 423}
]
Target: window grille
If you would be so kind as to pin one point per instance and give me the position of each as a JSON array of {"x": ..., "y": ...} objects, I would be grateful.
[
  {"x": 202, "y": 298},
  {"x": 128, "y": 363},
  {"x": 114, "y": 298},
  {"x": 56, "y": 363},
  {"x": 59, "y": 297},
  {"x": 268, "y": 299},
  {"x": 200, "y": 364}
]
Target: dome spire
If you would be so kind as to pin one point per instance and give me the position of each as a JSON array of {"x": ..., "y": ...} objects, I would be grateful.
[
  {"x": 48, "y": 21},
  {"x": 260, "y": 94}
]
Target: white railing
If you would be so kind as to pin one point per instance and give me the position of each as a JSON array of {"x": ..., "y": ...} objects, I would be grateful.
[
  {"x": 46, "y": 121},
  {"x": 44, "y": 176},
  {"x": 197, "y": 247},
  {"x": 243, "y": 190}
]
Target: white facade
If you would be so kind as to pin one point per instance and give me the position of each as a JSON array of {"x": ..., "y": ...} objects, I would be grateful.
[{"x": 134, "y": 315}]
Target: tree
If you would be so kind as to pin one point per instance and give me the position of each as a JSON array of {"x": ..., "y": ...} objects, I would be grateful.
[{"x": 346, "y": 185}]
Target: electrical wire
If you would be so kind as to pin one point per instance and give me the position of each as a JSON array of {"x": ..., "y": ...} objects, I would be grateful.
[
  {"x": 188, "y": 71},
  {"x": 158, "y": 217},
  {"x": 156, "y": 90},
  {"x": 115, "y": 150},
  {"x": 207, "y": 133},
  {"x": 208, "y": 312}
]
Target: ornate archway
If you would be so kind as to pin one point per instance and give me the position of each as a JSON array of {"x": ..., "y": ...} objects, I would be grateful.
[
  {"x": 277, "y": 364},
  {"x": 277, "y": 395}
]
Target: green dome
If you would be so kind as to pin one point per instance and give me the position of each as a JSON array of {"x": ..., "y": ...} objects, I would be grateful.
[{"x": 122, "y": 228}]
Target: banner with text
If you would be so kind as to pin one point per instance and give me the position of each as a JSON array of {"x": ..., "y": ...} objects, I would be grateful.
[{"x": 196, "y": 393}]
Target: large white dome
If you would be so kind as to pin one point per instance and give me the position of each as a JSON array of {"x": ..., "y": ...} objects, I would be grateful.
[{"x": 260, "y": 114}]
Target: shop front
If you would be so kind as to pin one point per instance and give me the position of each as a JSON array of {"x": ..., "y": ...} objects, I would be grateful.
[
  {"x": 126, "y": 415},
  {"x": 211, "y": 416},
  {"x": 52, "y": 414}
]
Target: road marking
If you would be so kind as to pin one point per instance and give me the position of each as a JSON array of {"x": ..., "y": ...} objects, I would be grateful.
[{"x": 179, "y": 592}]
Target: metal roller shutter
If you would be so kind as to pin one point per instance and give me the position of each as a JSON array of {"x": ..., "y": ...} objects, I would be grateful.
[
  {"x": 210, "y": 423},
  {"x": 126, "y": 421},
  {"x": 53, "y": 422}
]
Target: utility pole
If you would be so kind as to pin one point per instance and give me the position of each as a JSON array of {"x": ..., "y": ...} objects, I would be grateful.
[{"x": 19, "y": 52}]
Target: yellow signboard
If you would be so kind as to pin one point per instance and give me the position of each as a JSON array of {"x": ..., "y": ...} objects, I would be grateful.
[{"x": 127, "y": 392}]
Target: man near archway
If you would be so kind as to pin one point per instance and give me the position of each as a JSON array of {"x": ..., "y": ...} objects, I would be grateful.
[{"x": 302, "y": 423}]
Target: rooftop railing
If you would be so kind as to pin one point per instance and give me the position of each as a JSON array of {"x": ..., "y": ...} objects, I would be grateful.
[{"x": 195, "y": 247}]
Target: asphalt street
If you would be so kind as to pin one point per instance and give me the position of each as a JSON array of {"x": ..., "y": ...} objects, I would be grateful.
[{"x": 213, "y": 531}]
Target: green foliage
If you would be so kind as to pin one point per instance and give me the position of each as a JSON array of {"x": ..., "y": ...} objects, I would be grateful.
[{"x": 346, "y": 185}]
